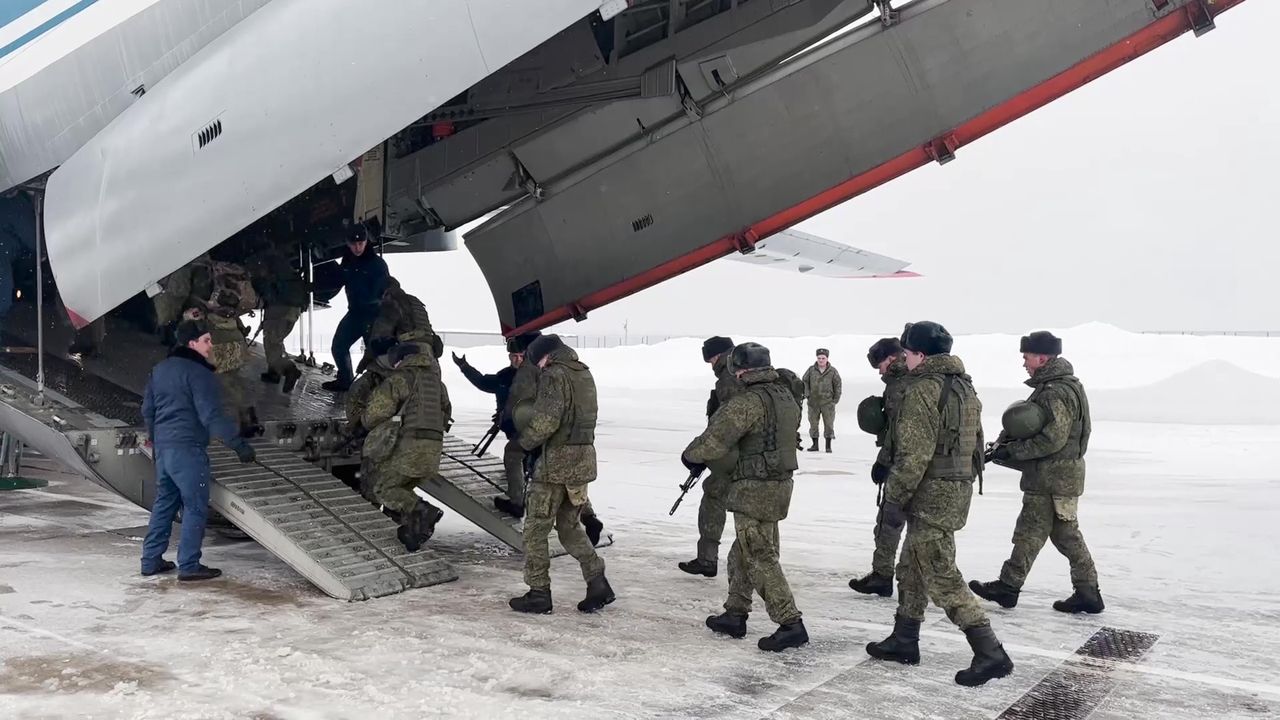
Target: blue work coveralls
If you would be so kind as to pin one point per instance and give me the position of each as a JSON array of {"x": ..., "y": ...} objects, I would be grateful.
[{"x": 365, "y": 278}]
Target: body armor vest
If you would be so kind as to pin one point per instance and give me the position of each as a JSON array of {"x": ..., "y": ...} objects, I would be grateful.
[
  {"x": 1078, "y": 441},
  {"x": 957, "y": 455},
  {"x": 580, "y": 429},
  {"x": 769, "y": 452},
  {"x": 421, "y": 414}
]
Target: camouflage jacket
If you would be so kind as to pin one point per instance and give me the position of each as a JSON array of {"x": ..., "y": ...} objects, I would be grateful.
[
  {"x": 895, "y": 387},
  {"x": 1052, "y": 462},
  {"x": 822, "y": 388},
  {"x": 524, "y": 386},
  {"x": 740, "y": 422},
  {"x": 392, "y": 398},
  {"x": 563, "y": 421},
  {"x": 357, "y": 397},
  {"x": 727, "y": 384},
  {"x": 403, "y": 317},
  {"x": 918, "y": 432},
  {"x": 278, "y": 283}
]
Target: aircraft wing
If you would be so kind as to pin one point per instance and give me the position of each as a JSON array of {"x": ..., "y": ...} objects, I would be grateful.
[
  {"x": 809, "y": 254},
  {"x": 287, "y": 96}
]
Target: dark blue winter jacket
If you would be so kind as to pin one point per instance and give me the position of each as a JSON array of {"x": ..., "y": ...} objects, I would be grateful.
[
  {"x": 365, "y": 278},
  {"x": 183, "y": 403}
]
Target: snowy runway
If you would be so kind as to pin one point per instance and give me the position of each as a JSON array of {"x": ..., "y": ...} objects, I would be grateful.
[{"x": 1181, "y": 519}]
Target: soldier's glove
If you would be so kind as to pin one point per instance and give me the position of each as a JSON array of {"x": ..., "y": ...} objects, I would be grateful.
[
  {"x": 695, "y": 469},
  {"x": 245, "y": 452},
  {"x": 459, "y": 361},
  {"x": 879, "y": 473},
  {"x": 998, "y": 453},
  {"x": 892, "y": 515}
]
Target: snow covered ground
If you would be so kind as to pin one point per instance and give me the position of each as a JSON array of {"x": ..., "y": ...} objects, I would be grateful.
[{"x": 1180, "y": 513}]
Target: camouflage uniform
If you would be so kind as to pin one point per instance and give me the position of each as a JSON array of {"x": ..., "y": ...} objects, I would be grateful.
[
  {"x": 563, "y": 425},
  {"x": 187, "y": 286},
  {"x": 284, "y": 293},
  {"x": 712, "y": 510},
  {"x": 887, "y": 538},
  {"x": 406, "y": 415},
  {"x": 823, "y": 390},
  {"x": 401, "y": 316},
  {"x": 356, "y": 400},
  {"x": 937, "y": 443},
  {"x": 228, "y": 356},
  {"x": 758, "y": 425},
  {"x": 1052, "y": 465}
]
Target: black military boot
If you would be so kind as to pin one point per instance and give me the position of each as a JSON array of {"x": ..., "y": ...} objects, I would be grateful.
[
  {"x": 594, "y": 527},
  {"x": 698, "y": 567},
  {"x": 989, "y": 658},
  {"x": 873, "y": 584},
  {"x": 828, "y": 444},
  {"x": 412, "y": 541},
  {"x": 422, "y": 521},
  {"x": 791, "y": 635},
  {"x": 1084, "y": 599},
  {"x": 534, "y": 601},
  {"x": 902, "y": 645},
  {"x": 291, "y": 377},
  {"x": 996, "y": 591},
  {"x": 505, "y": 505},
  {"x": 270, "y": 376},
  {"x": 728, "y": 623},
  {"x": 599, "y": 594},
  {"x": 814, "y": 446},
  {"x": 336, "y": 386}
]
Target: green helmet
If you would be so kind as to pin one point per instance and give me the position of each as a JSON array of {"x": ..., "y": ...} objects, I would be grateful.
[
  {"x": 522, "y": 414},
  {"x": 1024, "y": 419},
  {"x": 871, "y": 416}
]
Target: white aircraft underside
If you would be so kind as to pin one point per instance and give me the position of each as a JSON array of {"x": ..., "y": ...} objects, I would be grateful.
[{"x": 173, "y": 124}]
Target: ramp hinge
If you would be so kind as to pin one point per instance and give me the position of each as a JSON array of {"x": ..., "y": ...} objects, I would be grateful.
[
  {"x": 578, "y": 312},
  {"x": 1200, "y": 17},
  {"x": 687, "y": 102},
  {"x": 745, "y": 242},
  {"x": 888, "y": 16},
  {"x": 943, "y": 150}
]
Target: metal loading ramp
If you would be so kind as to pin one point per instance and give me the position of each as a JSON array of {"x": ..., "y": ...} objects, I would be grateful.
[
  {"x": 319, "y": 526},
  {"x": 467, "y": 484}
]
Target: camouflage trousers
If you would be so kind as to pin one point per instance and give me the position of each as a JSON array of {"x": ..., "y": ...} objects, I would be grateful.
[
  {"x": 277, "y": 323},
  {"x": 712, "y": 512},
  {"x": 886, "y": 552},
  {"x": 513, "y": 465},
  {"x": 395, "y": 478},
  {"x": 551, "y": 505},
  {"x": 825, "y": 412},
  {"x": 754, "y": 566},
  {"x": 1045, "y": 517},
  {"x": 927, "y": 571}
]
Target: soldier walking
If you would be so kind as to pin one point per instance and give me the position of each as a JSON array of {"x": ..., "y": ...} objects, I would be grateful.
[
  {"x": 822, "y": 387},
  {"x": 1051, "y": 458},
  {"x": 751, "y": 439},
  {"x": 876, "y": 415},
  {"x": 937, "y": 454},
  {"x": 712, "y": 511},
  {"x": 284, "y": 292},
  {"x": 406, "y": 416},
  {"x": 560, "y": 445}
]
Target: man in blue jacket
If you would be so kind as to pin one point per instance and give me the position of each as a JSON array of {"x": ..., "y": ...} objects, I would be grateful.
[
  {"x": 183, "y": 408},
  {"x": 365, "y": 277}
]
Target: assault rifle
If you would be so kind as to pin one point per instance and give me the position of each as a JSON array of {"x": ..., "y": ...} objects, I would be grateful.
[
  {"x": 482, "y": 447},
  {"x": 685, "y": 487}
]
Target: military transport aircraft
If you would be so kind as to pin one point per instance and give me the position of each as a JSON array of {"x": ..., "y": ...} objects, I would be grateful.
[{"x": 611, "y": 145}]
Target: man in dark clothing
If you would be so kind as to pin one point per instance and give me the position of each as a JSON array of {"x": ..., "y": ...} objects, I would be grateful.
[
  {"x": 365, "y": 277},
  {"x": 182, "y": 408}
]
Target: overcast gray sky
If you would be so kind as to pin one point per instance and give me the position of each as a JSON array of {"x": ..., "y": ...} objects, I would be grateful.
[{"x": 1146, "y": 199}]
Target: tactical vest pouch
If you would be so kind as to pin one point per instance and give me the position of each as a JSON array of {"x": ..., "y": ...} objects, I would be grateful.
[{"x": 381, "y": 441}]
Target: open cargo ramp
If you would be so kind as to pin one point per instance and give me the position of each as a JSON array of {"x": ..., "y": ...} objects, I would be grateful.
[{"x": 327, "y": 532}]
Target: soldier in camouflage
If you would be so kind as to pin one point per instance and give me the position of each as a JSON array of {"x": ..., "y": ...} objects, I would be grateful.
[
  {"x": 186, "y": 287},
  {"x": 886, "y": 357},
  {"x": 937, "y": 454},
  {"x": 407, "y": 415},
  {"x": 560, "y": 442},
  {"x": 284, "y": 292},
  {"x": 712, "y": 511},
  {"x": 751, "y": 439},
  {"x": 1052, "y": 465},
  {"x": 354, "y": 403},
  {"x": 823, "y": 387},
  {"x": 403, "y": 317}
]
